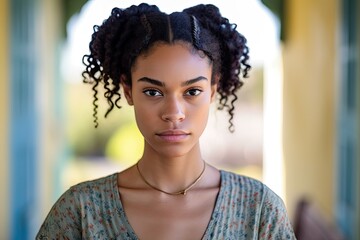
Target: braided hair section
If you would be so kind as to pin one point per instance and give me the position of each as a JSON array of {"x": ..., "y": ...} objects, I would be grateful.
[{"x": 234, "y": 54}]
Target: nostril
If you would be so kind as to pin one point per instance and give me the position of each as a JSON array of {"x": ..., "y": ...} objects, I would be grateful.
[
  {"x": 173, "y": 111},
  {"x": 173, "y": 116}
]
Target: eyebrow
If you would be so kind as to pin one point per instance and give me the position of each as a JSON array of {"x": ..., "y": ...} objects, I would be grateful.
[{"x": 162, "y": 84}]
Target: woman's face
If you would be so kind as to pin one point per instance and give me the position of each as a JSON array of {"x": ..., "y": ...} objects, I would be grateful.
[{"x": 171, "y": 92}]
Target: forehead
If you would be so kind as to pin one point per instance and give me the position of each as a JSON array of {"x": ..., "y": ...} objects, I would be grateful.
[{"x": 171, "y": 58}]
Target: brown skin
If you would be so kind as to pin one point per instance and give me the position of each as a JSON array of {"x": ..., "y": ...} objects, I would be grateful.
[{"x": 171, "y": 117}]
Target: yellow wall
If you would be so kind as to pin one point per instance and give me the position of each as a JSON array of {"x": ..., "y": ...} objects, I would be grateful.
[
  {"x": 310, "y": 74},
  {"x": 4, "y": 114},
  {"x": 47, "y": 25},
  {"x": 51, "y": 129}
]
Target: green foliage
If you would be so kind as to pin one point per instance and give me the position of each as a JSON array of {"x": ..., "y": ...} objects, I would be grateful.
[
  {"x": 83, "y": 139},
  {"x": 126, "y": 144}
]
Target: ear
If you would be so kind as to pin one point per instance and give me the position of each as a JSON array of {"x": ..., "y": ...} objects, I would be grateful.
[
  {"x": 127, "y": 90},
  {"x": 214, "y": 88},
  {"x": 213, "y": 91}
]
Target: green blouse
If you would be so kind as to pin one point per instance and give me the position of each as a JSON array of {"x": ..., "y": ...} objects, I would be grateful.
[{"x": 245, "y": 209}]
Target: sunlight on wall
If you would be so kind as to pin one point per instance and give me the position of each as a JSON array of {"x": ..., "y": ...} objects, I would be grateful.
[{"x": 273, "y": 114}]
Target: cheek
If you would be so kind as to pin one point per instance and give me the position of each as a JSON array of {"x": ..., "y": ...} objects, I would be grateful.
[
  {"x": 204, "y": 114},
  {"x": 145, "y": 118},
  {"x": 200, "y": 112},
  {"x": 142, "y": 109}
]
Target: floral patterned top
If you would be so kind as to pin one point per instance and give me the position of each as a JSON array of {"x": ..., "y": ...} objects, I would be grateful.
[{"x": 245, "y": 209}]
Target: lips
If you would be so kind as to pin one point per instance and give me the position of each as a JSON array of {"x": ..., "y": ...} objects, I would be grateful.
[{"x": 173, "y": 135}]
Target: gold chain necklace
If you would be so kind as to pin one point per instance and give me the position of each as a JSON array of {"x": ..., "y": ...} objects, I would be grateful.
[{"x": 182, "y": 192}]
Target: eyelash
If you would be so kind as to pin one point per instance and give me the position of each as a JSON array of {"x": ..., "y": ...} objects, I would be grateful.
[
  {"x": 199, "y": 91},
  {"x": 147, "y": 92}
]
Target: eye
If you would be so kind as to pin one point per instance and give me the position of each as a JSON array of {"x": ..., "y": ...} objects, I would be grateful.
[
  {"x": 152, "y": 92},
  {"x": 193, "y": 92}
]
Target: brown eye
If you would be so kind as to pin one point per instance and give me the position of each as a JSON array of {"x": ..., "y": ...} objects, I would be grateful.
[
  {"x": 152, "y": 93},
  {"x": 193, "y": 92}
]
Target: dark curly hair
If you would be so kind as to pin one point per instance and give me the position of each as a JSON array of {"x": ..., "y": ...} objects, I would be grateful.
[{"x": 130, "y": 32}]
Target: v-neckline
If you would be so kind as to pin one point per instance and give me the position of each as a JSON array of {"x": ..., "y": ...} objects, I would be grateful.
[{"x": 130, "y": 229}]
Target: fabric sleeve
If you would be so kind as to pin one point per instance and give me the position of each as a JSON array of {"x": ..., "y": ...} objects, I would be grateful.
[
  {"x": 274, "y": 222},
  {"x": 64, "y": 219}
]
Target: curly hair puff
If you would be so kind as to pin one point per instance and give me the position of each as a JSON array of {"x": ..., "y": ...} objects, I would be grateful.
[{"x": 130, "y": 32}]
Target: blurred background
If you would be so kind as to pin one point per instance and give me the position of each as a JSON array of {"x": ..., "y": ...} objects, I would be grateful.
[{"x": 297, "y": 117}]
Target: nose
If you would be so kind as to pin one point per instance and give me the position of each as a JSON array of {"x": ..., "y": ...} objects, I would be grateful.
[{"x": 173, "y": 111}]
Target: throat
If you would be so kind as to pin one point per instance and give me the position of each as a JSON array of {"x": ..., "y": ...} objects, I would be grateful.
[{"x": 190, "y": 184}]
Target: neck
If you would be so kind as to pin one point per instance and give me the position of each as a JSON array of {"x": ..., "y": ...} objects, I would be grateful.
[
  {"x": 171, "y": 173},
  {"x": 182, "y": 191}
]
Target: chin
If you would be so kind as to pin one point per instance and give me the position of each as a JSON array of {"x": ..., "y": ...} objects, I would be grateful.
[{"x": 174, "y": 150}]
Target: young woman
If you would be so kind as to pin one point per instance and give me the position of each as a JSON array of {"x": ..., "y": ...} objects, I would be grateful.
[{"x": 171, "y": 68}]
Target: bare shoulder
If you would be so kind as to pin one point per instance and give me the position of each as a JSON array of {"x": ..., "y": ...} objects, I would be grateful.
[{"x": 212, "y": 179}]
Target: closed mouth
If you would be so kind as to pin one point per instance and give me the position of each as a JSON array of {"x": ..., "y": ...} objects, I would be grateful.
[{"x": 173, "y": 135}]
